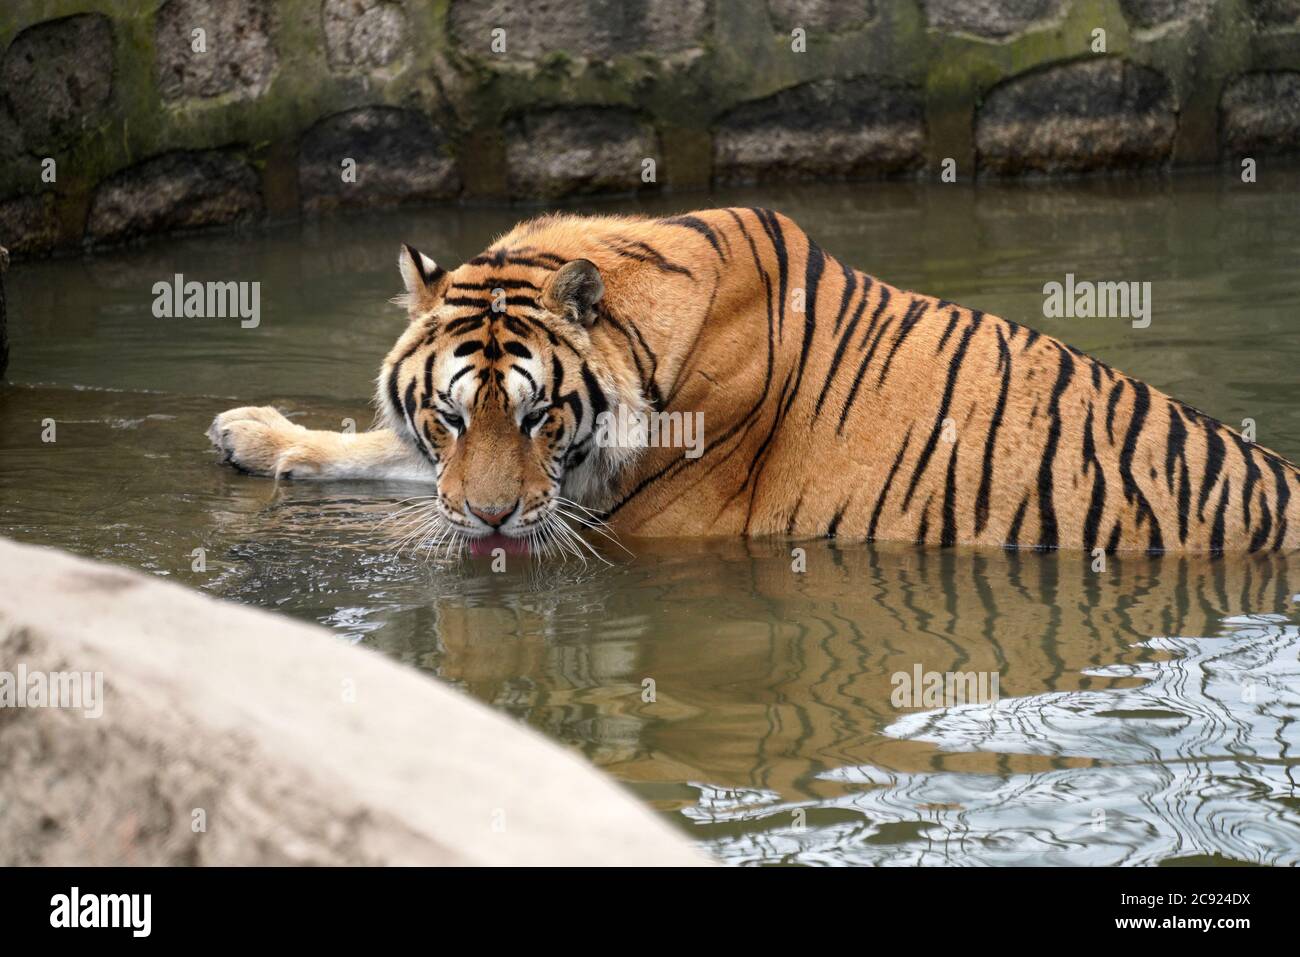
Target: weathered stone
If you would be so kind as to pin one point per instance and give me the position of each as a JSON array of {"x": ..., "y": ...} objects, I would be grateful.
[
  {"x": 1275, "y": 13},
  {"x": 4, "y": 336},
  {"x": 401, "y": 157},
  {"x": 1083, "y": 116},
  {"x": 238, "y": 58},
  {"x": 363, "y": 34},
  {"x": 27, "y": 224},
  {"x": 1152, "y": 13},
  {"x": 174, "y": 191},
  {"x": 11, "y": 137},
  {"x": 595, "y": 29},
  {"x": 1260, "y": 114},
  {"x": 58, "y": 76},
  {"x": 838, "y": 15},
  {"x": 583, "y": 150},
  {"x": 826, "y": 129},
  {"x": 204, "y": 706},
  {"x": 995, "y": 19}
]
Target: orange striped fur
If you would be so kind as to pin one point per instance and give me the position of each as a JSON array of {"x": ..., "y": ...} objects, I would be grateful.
[{"x": 871, "y": 413}]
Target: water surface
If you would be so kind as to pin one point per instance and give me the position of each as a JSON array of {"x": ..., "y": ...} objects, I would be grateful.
[{"x": 1146, "y": 713}]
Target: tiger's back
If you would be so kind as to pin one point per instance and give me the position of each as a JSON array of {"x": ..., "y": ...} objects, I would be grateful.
[{"x": 879, "y": 414}]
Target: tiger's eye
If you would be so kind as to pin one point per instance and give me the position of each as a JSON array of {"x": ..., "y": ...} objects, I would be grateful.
[{"x": 532, "y": 420}]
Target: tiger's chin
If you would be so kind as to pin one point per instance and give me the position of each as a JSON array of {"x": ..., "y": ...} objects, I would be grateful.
[{"x": 486, "y": 545}]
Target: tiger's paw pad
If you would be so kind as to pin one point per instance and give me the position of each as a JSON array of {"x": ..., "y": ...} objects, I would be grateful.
[{"x": 261, "y": 441}]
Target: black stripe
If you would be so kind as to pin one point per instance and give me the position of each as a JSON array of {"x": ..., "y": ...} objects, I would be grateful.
[
  {"x": 464, "y": 324},
  {"x": 1253, "y": 475},
  {"x": 843, "y": 345},
  {"x": 1265, "y": 525},
  {"x": 990, "y": 442},
  {"x": 943, "y": 339},
  {"x": 850, "y": 287},
  {"x": 1216, "y": 533},
  {"x": 866, "y": 359},
  {"x": 954, "y": 366},
  {"x": 1141, "y": 404},
  {"x": 1097, "y": 504},
  {"x": 1283, "y": 497},
  {"x": 889, "y": 480},
  {"x": 812, "y": 281},
  {"x": 772, "y": 227},
  {"x": 1048, "y": 537},
  {"x": 948, "y": 537},
  {"x": 1112, "y": 543},
  {"x": 488, "y": 284},
  {"x": 701, "y": 227},
  {"x": 915, "y": 310},
  {"x": 1115, "y": 394},
  {"x": 833, "y": 527},
  {"x": 1176, "y": 452},
  {"x": 1214, "y": 454},
  {"x": 1013, "y": 533}
]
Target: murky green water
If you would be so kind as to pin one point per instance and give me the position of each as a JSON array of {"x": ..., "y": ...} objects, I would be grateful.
[{"x": 1147, "y": 713}]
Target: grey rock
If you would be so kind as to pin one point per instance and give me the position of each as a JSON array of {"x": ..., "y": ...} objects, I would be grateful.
[
  {"x": 594, "y": 29},
  {"x": 835, "y": 15},
  {"x": 1152, "y": 13},
  {"x": 363, "y": 34},
  {"x": 994, "y": 19},
  {"x": 1275, "y": 13},
  {"x": 579, "y": 150},
  {"x": 175, "y": 191},
  {"x": 1260, "y": 114},
  {"x": 1084, "y": 116},
  {"x": 4, "y": 336},
  {"x": 28, "y": 225},
  {"x": 284, "y": 768},
  {"x": 401, "y": 157},
  {"x": 57, "y": 77},
  {"x": 11, "y": 137},
  {"x": 239, "y": 58},
  {"x": 826, "y": 129}
]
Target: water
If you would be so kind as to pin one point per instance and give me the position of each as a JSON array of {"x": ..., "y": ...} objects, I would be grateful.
[{"x": 1147, "y": 713}]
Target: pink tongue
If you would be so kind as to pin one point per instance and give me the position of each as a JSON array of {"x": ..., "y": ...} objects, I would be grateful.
[{"x": 478, "y": 547}]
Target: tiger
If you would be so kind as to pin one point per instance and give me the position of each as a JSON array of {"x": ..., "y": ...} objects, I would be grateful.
[{"x": 833, "y": 404}]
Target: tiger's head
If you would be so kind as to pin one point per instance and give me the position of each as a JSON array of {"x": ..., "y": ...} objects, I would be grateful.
[{"x": 498, "y": 382}]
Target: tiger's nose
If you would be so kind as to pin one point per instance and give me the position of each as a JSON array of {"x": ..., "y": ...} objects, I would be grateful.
[{"x": 492, "y": 516}]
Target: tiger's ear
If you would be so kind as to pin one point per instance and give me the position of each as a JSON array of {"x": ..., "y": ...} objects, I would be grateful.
[
  {"x": 573, "y": 291},
  {"x": 424, "y": 279}
]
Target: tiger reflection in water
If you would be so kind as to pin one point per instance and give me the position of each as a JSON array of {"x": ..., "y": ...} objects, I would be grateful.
[{"x": 1137, "y": 698}]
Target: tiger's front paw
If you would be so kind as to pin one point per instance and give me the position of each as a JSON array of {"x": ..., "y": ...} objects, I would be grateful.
[{"x": 261, "y": 441}]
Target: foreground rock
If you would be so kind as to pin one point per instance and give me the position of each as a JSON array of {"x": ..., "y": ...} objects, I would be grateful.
[{"x": 231, "y": 736}]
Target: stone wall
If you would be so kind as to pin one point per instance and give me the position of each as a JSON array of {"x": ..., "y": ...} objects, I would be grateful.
[{"x": 125, "y": 118}]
